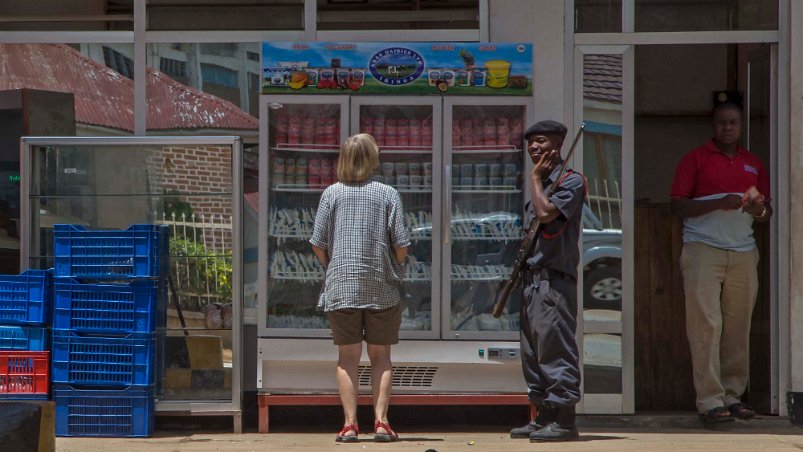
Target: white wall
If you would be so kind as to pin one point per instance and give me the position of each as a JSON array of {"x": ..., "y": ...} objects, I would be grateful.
[{"x": 541, "y": 23}]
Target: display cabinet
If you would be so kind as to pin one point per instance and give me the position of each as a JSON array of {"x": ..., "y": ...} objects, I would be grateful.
[
  {"x": 458, "y": 164},
  {"x": 303, "y": 136},
  {"x": 191, "y": 184}
]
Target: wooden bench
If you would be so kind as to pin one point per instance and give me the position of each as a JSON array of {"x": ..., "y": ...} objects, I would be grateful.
[{"x": 266, "y": 400}]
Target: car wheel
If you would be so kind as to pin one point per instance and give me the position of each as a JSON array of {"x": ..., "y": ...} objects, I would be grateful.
[{"x": 602, "y": 288}]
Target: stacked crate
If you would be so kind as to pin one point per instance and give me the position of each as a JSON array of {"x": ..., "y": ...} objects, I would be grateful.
[
  {"x": 25, "y": 304},
  {"x": 109, "y": 295}
]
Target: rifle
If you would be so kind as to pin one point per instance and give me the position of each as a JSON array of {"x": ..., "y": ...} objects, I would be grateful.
[{"x": 528, "y": 242}]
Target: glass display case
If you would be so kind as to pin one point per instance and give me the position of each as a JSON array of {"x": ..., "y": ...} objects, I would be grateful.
[
  {"x": 303, "y": 137},
  {"x": 410, "y": 157},
  {"x": 194, "y": 186},
  {"x": 457, "y": 163},
  {"x": 485, "y": 204}
]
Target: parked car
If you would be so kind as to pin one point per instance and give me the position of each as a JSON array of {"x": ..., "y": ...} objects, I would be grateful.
[{"x": 602, "y": 264}]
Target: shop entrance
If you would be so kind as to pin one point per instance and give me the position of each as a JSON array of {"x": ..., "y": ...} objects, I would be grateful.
[
  {"x": 674, "y": 92},
  {"x": 644, "y": 107}
]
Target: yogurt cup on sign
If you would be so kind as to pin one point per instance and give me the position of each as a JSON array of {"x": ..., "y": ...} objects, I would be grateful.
[
  {"x": 358, "y": 76},
  {"x": 448, "y": 76},
  {"x": 433, "y": 75}
]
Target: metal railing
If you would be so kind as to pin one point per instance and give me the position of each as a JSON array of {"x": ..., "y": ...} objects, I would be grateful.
[
  {"x": 605, "y": 200},
  {"x": 200, "y": 258}
]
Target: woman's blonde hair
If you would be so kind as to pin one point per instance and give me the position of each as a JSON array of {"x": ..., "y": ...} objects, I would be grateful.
[{"x": 359, "y": 157}]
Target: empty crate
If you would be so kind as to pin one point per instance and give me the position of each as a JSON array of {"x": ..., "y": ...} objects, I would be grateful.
[
  {"x": 103, "y": 361},
  {"x": 103, "y": 412},
  {"x": 25, "y": 298},
  {"x": 24, "y": 375},
  {"x": 23, "y": 338},
  {"x": 107, "y": 308},
  {"x": 139, "y": 251}
]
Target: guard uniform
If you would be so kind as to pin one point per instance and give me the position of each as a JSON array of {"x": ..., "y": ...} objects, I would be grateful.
[
  {"x": 548, "y": 315},
  {"x": 549, "y": 355}
]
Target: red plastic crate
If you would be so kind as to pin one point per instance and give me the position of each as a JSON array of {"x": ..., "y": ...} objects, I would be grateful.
[{"x": 24, "y": 372}]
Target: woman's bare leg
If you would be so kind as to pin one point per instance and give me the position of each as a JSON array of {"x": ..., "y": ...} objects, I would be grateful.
[
  {"x": 347, "y": 383},
  {"x": 381, "y": 380}
]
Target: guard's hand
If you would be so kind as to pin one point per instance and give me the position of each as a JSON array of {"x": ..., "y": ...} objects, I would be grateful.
[
  {"x": 546, "y": 164},
  {"x": 730, "y": 202}
]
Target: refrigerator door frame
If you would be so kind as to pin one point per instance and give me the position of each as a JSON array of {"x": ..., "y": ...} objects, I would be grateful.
[
  {"x": 266, "y": 104},
  {"x": 449, "y": 103},
  {"x": 437, "y": 186}
]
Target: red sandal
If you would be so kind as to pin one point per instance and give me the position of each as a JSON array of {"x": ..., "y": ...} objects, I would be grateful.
[
  {"x": 388, "y": 437},
  {"x": 344, "y": 437}
]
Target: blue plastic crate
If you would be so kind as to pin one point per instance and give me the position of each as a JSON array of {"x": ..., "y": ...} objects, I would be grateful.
[
  {"x": 107, "y": 308},
  {"x": 25, "y": 299},
  {"x": 92, "y": 412},
  {"x": 139, "y": 251},
  {"x": 103, "y": 361},
  {"x": 23, "y": 338}
]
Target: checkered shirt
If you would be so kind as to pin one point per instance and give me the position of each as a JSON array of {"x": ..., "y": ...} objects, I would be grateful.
[{"x": 359, "y": 225}]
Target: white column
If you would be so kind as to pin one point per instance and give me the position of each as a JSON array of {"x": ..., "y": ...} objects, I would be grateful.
[{"x": 795, "y": 208}]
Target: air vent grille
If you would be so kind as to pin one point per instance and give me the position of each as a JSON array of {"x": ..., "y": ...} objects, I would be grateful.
[{"x": 403, "y": 376}]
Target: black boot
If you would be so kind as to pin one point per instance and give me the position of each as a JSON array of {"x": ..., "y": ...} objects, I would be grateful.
[
  {"x": 544, "y": 416},
  {"x": 562, "y": 429}
]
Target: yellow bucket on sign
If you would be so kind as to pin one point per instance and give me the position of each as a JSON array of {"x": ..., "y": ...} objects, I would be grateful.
[{"x": 498, "y": 72}]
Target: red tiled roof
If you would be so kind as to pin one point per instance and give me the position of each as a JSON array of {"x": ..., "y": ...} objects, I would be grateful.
[{"x": 105, "y": 98}]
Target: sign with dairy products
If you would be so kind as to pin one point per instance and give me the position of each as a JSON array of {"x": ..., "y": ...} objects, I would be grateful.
[{"x": 501, "y": 68}]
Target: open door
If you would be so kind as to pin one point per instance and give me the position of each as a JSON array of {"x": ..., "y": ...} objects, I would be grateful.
[{"x": 762, "y": 391}]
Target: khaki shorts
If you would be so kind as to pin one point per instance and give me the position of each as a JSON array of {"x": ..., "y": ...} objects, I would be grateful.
[{"x": 375, "y": 326}]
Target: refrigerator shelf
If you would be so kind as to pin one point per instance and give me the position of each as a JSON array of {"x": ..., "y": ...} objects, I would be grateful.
[
  {"x": 294, "y": 276},
  {"x": 413, "y": 190},
  {"x": 291, "y": 236},
  {"x": 315, "y": 277},
  {"x": 483, "y": 189},
  {"x": 477, "y": 278},
  {"x": 499, "y": 238},
  {"x": 314, "y": 148},
  {"x": 504, "y": 149},
  {"x": 299, "y": 188},
  {"x": 384, "y": 150}
]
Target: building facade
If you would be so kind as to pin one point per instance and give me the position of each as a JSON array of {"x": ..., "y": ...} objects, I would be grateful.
[{"x": 641, "y": 74}]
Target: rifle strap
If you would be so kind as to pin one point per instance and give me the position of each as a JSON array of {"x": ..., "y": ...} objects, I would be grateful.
[{"x": 568, "y": 173}]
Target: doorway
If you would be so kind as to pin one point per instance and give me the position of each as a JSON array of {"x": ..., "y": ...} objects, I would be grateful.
[{"x": 675, "y": 86}]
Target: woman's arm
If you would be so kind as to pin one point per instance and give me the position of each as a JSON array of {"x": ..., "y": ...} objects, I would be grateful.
[
  {"x": 401, "y": 253},
  {"x": 323, "y": 256}
]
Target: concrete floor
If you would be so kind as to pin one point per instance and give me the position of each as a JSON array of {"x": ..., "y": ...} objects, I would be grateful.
[{"x": 598, "y": 439}]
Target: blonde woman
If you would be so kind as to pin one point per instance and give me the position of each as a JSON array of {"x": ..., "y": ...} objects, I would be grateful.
[{"x": 361, "y": 240}]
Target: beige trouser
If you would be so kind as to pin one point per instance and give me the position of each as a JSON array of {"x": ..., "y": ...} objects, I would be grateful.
[{"x": 721, "y": 288}]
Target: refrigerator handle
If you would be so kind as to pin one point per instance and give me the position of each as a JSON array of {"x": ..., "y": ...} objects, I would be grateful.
[{"x": 447, "y": 230}]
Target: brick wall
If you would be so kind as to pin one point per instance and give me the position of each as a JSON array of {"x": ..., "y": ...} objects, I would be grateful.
[{"x": 197, "y": 170}]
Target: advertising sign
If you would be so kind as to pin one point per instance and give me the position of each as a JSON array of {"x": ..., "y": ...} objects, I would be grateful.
[{"x": 397, "y": 68}]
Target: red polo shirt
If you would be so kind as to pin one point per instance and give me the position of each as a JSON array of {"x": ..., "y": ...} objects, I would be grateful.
[{"x": 708, "y": 171}]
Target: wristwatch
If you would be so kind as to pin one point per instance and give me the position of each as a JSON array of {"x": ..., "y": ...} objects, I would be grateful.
[{"x": 763, "y": 212}]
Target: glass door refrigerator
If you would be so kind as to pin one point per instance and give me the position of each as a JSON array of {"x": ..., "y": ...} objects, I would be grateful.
[{"x": 458, "y": 165}]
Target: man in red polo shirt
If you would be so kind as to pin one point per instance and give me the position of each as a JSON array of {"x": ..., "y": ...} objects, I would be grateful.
[{"x": 719, "y": 190}]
